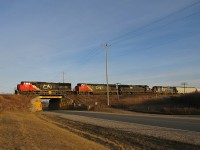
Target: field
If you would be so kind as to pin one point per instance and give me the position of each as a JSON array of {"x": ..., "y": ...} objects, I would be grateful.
[
  {"x": 21, "y": 129},
  {"x": 188, "y": 104}
]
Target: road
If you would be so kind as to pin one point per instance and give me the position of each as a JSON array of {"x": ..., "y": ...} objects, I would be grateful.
[{"x": 186, "y": 123}]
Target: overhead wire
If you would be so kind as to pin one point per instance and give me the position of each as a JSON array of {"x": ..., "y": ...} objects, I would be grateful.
[
  {"x": 90, "y": 55},
  {"x": 129, "y": 38},
  {"x": 117, "y": 39}
]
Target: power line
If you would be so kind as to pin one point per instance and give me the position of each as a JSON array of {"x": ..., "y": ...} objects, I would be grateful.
[
  {"x": 129, "y": 35},
  {"x": 117, "y": 39}
]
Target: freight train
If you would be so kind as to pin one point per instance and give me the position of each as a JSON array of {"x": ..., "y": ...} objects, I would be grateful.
[{"x": 49, "y": 88}]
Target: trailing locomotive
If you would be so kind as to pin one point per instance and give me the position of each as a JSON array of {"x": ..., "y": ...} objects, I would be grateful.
[
  {"x": 43, "y": 88},
  {"x": 164, "y": 89},
  {"x": 131, "y": 89},
  {"x": 174, "y": 90},
  {"x": 87, "y": 88}
]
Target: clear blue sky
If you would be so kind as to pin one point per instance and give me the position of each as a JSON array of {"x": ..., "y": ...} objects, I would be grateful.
[{"x": 153, "y": 42}]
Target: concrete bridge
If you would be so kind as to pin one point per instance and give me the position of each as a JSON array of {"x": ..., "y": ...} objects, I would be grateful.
[{"x": 55, "y": 102}]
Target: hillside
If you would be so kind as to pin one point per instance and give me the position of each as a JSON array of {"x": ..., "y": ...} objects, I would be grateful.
[
  {"x": 188, "y": 104},
  {"x": 9, "y": 102}
]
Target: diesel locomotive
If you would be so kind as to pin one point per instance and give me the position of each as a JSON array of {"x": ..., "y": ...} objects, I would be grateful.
[
  {"x": 174, "y": 89},
  {"x": 43, "y": 88}
]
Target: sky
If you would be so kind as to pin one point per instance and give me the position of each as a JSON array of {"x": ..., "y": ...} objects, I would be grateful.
[{"x": 152, "y": 42}]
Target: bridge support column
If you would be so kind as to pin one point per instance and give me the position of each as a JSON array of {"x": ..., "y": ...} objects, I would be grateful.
[{"x": 36, "y": 104}]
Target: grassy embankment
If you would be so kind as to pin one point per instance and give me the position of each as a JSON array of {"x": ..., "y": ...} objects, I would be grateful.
[
  {"x": 9, "y": 102},
  {"x": 178, "y": 104},
  {"x": 164, "y": 104}
]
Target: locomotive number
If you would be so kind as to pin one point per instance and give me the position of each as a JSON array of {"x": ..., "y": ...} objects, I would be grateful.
[{"x": 47, "y": 86}]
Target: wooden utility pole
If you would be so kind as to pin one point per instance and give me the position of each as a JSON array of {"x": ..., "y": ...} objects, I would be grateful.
[
  {"x": 184, "y": 84},
  {"x": 117, "y": 87},
  {"x": 107, "y": 46},
  {"x": 63, "y": 77}
]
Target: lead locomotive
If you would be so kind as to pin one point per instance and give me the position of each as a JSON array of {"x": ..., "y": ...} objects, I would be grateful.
[{"x": 43, "y": 88}]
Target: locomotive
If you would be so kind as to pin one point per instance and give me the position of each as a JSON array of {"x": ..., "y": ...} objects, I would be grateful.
[
  {"x": 43, "y": 88},
  {"x": 174, "y": 89},
  {"x": 164, "y": 89},
  {"x": 87, "y": 88},
  {"x": 131, "y": 89}
]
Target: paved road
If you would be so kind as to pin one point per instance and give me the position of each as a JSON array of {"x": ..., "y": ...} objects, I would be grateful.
[{"x": 189, "y": 123}]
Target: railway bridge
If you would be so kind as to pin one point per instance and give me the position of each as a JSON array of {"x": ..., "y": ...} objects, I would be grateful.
[{"x": 55, "y": 102}]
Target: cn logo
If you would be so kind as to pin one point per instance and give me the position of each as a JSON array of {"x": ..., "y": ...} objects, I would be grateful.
[{"x": 47, "y": 86}]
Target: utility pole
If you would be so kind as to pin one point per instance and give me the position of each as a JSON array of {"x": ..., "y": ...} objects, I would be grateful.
[
  {"x": 117, "y": 87},
  {"x": 107, "y": 46},
  {"x": 184, "y": 84},
  {"x": 63, "y": 77}
]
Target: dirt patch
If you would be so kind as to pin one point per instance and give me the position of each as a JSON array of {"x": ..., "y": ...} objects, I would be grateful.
[{"x": 26, "y": 131}]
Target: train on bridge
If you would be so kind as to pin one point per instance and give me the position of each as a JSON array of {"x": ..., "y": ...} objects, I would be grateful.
[{"x": 56, "y": 89}]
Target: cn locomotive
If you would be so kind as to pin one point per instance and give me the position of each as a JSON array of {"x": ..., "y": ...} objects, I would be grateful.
[
  {"x": 174, "y": 89},
  {"x": 43, "y": 88},
  {"x": 87, "y": 88}
]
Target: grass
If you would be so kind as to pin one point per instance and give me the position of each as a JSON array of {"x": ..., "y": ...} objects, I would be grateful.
[
  {"x": 9, "y": 102},
  {"x": 178, "y": 104}
]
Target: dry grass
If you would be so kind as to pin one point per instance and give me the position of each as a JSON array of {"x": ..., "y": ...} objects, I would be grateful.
[
  {"x": 10, "y": 102},
  {"x": 21, "y": 131},
  {"x": 178, "y": 104},
  {"x": 165, "y": 104},
  {"x": 96, "y": 102}
]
